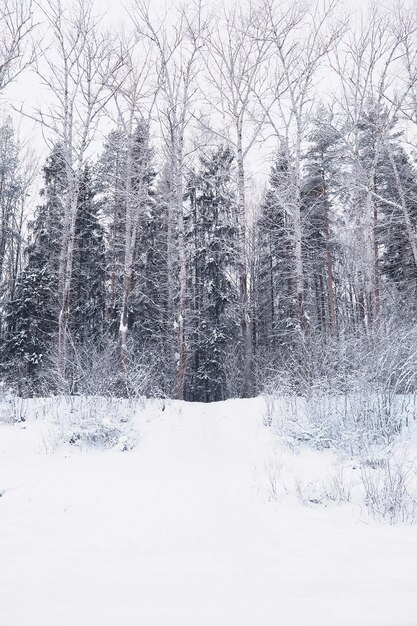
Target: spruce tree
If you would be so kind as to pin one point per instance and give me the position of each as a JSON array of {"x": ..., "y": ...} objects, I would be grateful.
[
  {"x": 88, "y": 301},
  {"x": 212, "y": 241},
  {"x": 319, "y": 188},
  {"x": 276, "y": 307},
  {"x": 32, "y": 315},
  {"x": 398, "y": 263},
  {"x": 110, "y": 185}
]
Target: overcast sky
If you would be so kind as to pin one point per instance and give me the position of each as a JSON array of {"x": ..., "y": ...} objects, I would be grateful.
[{"x": 28, "y": 93}]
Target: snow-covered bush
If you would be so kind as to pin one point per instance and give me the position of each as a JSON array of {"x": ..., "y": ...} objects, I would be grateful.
[
  {"x": 94, "y": 421},
  {"x": 390, "y": 489},
  {"x": 310, "y": 492},
  {"x": 350, "y": 421},
  {"x": 346, "y": 392},
  {"x": 335, "y": 488},
  {"x": 338, "y": 486},
  {"x": 12, "y": 407}
]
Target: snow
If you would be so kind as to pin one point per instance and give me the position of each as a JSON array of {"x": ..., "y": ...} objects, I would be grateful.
[{"x": 182, "y": 530}]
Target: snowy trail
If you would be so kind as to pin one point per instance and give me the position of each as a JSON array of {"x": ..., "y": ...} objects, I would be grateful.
[{"x": 178, "y": 533}]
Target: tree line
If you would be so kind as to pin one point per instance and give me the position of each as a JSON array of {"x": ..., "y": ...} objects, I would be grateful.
[{"x": 150, "y": 265}]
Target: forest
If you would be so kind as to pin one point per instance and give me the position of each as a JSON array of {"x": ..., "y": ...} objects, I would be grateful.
[
  {"x": 215, "y": 203},
  {"x": 208, "y": 312}
]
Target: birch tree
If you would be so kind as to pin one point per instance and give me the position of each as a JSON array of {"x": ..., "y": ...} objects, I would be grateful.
[
  {"x": 404, "y": 100},
  {"x": 368, "y": 64},
  {"x": 16, "y": 49},
  {"x": 76, "y": 71},
  {"x": 177, "y": 45},
  {"x": 300, "y": 40},
  {"x": 134, "y": 101},
  {"x": 236, "y": 69}
]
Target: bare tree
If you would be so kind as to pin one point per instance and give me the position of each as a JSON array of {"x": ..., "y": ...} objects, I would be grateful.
[
  {"x": 134, "y": 104},
  {"x": 236, "y": 68},
  {"x": 76, "y": 70},
  {"x": 177, "y": 45},
  {"x": 16, "y": 50},
  {"x": 402, "y": 101},
  {"x": 369, "y": 67},
  {"x": 18, "y": 169},
  {"x": 300, "y": 39}
]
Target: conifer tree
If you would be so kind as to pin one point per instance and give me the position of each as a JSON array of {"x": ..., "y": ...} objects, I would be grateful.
[
  {"x": 274, "y": 284},
  {"x": 319, "y": 242},
  {"x": 111, "y": 169},
  {"x": 397, "y": 260},
  {"x": 88, "y": 280},
  {"x": 212, "y": 239},
  {"x": 32, "y": 314}
]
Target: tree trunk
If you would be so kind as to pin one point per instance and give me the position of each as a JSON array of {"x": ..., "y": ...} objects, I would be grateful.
[
  {"x": 245, "y": 320},
  {"x": 182, "y": 304},
  {"x": 65, "y": 271},
  {"x": 329, "y": 265}
]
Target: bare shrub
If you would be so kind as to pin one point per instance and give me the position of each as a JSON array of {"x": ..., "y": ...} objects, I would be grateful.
[
  {"x": 338, "y": 488},
  {"x": 274, "y": 483},
  {"x": 93, "y": 422},
  {"x": 310, "y": 493},
  {"x": 99, "y": 371},
  {"x": 12, "y": 407},
  {"x": 347, "y": 392},
  {"x": 390, "y": 490}
]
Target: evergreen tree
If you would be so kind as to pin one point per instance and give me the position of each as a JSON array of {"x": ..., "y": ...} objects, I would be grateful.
[
  {"x": 32, "y": 315},
  {"x": 111, "y": 169},
  {"x": 398, "y": 264},
  {"x": 319, "y": 187},
  {"x": 212, "y": 240},
  {"x": 88, "y": 300},
  {"x": 117, "y": 181},
  {"x": 144, "y": 306},
  {"x": 390, "y": 176},
  {"x": 276, "y": 307}
]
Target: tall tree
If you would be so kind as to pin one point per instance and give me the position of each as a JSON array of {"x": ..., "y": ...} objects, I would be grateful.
[
  {"x": 126, "y": 178},
  {"x": 212, "y": 239},
  {"x": 235, "y": 66},
  {"x": 300, "y": 39},
  {"x": 31, "y": 320},
  {"x": 276, "y": 309},
  {"x": 80, "y": 75},
  {"x": 319, "y": 187},
  {"x": 177, "y": 47},
  {"x": 12, "y": 190},
  {"x": 89, "y": 269}
]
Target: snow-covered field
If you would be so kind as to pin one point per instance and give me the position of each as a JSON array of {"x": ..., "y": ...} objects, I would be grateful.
[{"x": 209, "y": 520}]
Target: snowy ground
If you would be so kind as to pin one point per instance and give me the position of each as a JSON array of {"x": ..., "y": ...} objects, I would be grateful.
[{"x": 198, "y": 525}]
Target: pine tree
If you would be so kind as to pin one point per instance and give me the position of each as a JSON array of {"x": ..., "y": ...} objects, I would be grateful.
[
  {"x": 150, "y": 301},
  {"x": 144, "y": 310},
  {"x": 319, "y": 242},
  {"x": 212, "y": 241},
  {"x": 32, "y": 315},
  {"x": 88, "y": 300},
  {"x": 389, "y": 182},
  {"x": 397, "y": 260},
  {"x": 111, "y": 169},
  {"x": 276, "y": 306},
  {"x": 135, "y": 229}
]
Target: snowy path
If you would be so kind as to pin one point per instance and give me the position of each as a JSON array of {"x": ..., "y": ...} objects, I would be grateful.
[{"x": 176, "y": 533}]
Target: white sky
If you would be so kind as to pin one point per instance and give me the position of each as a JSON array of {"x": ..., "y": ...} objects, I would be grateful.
[{"x": 28, "y": 93}]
